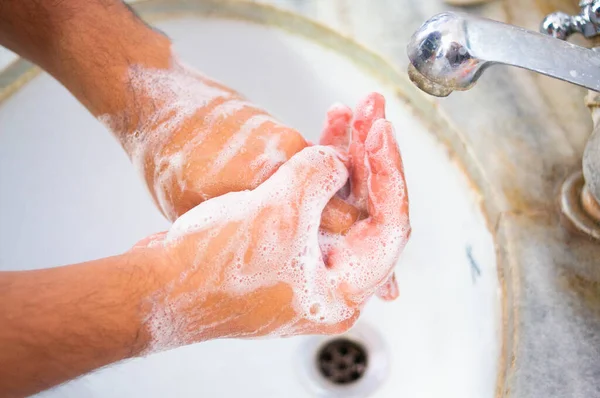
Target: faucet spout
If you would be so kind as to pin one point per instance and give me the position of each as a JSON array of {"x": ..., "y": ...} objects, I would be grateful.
[{"x": 451, "y": 51}]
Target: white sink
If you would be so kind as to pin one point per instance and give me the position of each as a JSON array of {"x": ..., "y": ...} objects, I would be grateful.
[{"x": 68, "y": 193}]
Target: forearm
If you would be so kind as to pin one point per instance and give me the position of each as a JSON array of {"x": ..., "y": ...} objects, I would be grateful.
[
  {"x": 62, "y": 322},
  {"x": 190, "y": 137},
  {"x": 87, "y": 45}
]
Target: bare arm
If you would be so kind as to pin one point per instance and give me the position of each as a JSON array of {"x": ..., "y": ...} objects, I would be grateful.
[
  {"x": 126, "y": 73},
  {"x": 62, "y": 322},
  {"x": 86, "y": 45}
]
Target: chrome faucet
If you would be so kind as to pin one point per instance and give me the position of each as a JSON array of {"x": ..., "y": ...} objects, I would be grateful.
[
  {"x": 451, "y": 51},
  {"x": 561, "y": 25}
]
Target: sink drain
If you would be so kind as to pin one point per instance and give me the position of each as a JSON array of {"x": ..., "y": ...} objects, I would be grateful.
[
  {"x": 352, "y": 365},
  {"x": 342, "y": 361}
]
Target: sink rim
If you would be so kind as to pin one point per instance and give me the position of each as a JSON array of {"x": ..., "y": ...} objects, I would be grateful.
[{"x": 20, "y": 72}]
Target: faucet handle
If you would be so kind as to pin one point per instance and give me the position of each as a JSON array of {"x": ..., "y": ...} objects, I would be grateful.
[{"x": 561, "y": 25}]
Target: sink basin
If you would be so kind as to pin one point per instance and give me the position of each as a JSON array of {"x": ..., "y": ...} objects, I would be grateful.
[{"x": 69, "y": 194}]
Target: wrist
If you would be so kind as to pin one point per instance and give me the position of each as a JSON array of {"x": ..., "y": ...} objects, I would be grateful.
[
  {"x": 148, "y": 270},
  {"x": 181, "y": 302}
]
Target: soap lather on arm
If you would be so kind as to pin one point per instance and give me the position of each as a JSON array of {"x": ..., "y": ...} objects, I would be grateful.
[{"x": 265, "y": 241}]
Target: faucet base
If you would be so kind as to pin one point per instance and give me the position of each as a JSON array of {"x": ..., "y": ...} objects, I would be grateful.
[{"x": 580, "y": 210}]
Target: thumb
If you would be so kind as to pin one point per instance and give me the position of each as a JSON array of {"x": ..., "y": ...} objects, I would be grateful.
[
  {"x": 338, "y": 216},
  {"x": 309, "y": 179}
]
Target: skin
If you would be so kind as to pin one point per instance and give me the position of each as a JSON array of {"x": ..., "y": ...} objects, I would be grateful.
[
  {"x": 82, "y": 45},
  {"x": 62, "y": 322}
]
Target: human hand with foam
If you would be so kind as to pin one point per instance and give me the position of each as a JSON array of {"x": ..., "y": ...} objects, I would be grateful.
[
  {"x": 256, "y": 263},
  {"x": 348, "y": 132},
  {"x": 61, "y": 322},
  {"x": 190, "y": 137},
  {"x": 251, "y": 263},
  {"x": 196, "y": 139}
]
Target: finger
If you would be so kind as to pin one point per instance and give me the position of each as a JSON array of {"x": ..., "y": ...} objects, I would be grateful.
[
  {"x": 372, "y": 246},
  {"x": 338, "y": 216},
  {"x": 370, "y": 109},
  {"x": 358, "y": 176},
  {"x": 325, "y": 174},
  {"x": 309, "y": 179},
  {"x": 387, "y": 194},
  {"x": 336, "y": 132},
  {"x": 389, "y": 291}
]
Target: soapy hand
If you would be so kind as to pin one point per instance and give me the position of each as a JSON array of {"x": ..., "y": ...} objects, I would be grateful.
[
  {"x": 193, "y": 139},
  {"x": 249, "y": 263},
  {"x": 256, "y": 263},
  {"x": 348, "y": 133}
]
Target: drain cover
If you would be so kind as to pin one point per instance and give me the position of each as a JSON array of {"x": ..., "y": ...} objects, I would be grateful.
[{"x": 342, "y": 361}]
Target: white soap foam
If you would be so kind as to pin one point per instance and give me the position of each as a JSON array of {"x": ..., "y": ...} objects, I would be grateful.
[
  {"x": 225, "y": 109},
  {"x": 289, "y": 248},
  {"x": 269, "y": 160},
  {"x": 237, "y": 142},
  {"x": 229, "y": 108},
  {"x": 289, "y": 256},
  {"x": 178, "y": 94}
]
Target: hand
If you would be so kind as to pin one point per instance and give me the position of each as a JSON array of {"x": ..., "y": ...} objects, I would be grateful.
[
  {"x": 195, "y": 139},
  {"x": 341, "y": 122},
  {"x": 254, "y": 263}
]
